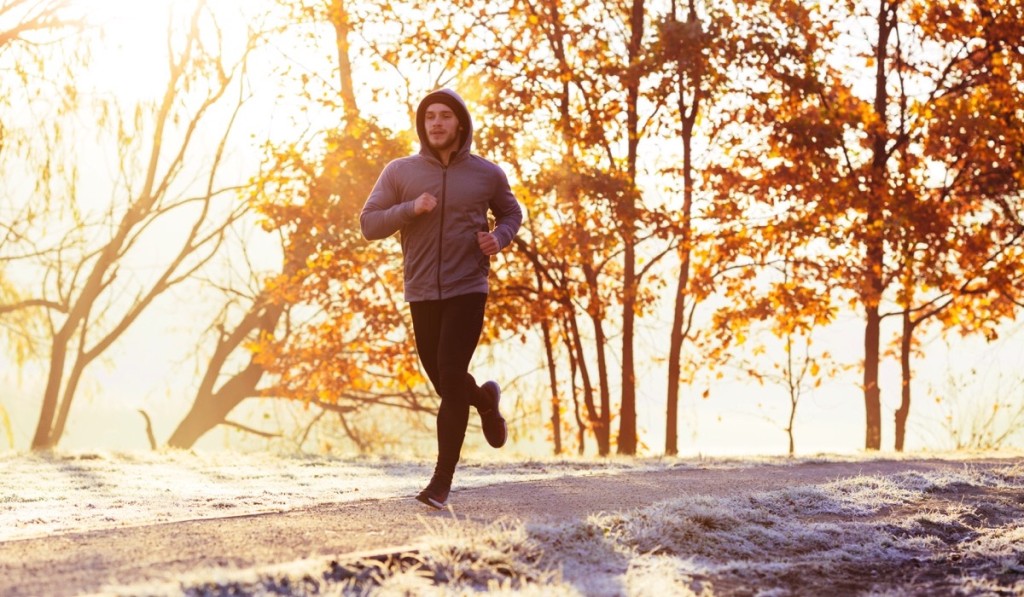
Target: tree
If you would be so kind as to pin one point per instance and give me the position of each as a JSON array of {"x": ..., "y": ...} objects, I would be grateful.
[
  {"x": 697, "y": 50},
  {"x": 962, "y": 231},
  {"x": 312, "y": 202},
  {"x": 792, "y": 313},
  {"x": 33, "y": 34},
  {"x": 851, "y": 168},
  {"x": 596, "y": 94},
  {"x": 199, "y": 82}
]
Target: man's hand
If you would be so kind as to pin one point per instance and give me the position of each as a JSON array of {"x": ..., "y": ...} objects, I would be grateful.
[
  {"x": 488, "y": 244},
  {"x": 424, "y": 203}
]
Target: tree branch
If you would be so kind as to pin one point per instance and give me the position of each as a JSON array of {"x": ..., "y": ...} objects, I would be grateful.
[
  {"x": 31, "y": 303},
  {"x": 251, "y": 430}
]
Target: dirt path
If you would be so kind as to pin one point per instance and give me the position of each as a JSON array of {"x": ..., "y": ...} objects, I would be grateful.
[{"x": 76, "y": 563}]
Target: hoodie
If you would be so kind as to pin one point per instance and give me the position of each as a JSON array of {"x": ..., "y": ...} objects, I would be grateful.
[{"x": 441, "y": 257}]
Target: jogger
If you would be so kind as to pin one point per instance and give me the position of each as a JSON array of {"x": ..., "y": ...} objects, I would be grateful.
[{"x": 439, "y": 201}]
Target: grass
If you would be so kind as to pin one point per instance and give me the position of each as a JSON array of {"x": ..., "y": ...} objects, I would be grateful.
[{"x": 906, "y": 534}]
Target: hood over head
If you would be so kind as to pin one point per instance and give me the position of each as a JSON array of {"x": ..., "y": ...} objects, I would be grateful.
[{"x": 452, "y": 100}]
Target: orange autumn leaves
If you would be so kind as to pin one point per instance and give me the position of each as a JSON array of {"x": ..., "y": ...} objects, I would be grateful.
[{"x": 827, "y": 171}]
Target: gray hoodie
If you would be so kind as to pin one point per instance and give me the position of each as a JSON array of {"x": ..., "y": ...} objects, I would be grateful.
[{"x": 441, "y": 256}]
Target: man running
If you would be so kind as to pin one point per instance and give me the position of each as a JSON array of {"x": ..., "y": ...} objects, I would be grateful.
[{"x": 438, "y": 199}]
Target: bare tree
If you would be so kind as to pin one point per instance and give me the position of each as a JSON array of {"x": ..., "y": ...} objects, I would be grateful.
[
  {"x": 980, "y": 408},
  {"x": 103, "y": 299},
  {"x": 31, "y": 32},
  {"x": 310, "y": 199}
]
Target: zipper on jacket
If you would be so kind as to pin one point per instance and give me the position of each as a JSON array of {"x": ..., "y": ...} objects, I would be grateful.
[{"x": 440, "y": 230}]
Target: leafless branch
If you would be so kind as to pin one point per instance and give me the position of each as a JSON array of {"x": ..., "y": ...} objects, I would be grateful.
[
  {"x": 247, "y": 429},
  {"x": 33, "y": 303},
  {"x": 149, "y": 429}
]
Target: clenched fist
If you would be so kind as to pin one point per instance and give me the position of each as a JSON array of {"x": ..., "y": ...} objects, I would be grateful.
[
  {"x": 488, "y": 244},
  {"x": 424, "y": 203}
]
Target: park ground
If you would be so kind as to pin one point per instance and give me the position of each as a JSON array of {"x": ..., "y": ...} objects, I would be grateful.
[{"x": 183, "y": 523}]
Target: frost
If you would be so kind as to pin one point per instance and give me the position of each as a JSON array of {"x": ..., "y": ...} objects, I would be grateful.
[{"x": 953, "y": 531}]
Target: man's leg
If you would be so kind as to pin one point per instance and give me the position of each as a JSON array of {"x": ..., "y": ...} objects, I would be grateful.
[
  {"x": 462, "y": 320},
  {"x": 447, "y": 333},
  {"x": 426, "y": 330}
]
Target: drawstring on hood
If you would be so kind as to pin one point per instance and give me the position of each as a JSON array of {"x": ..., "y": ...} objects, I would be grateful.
[{"x": 452, "y": 100}]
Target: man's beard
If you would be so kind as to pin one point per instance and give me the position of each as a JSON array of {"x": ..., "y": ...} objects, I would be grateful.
[{"x": 449, "y": 143}]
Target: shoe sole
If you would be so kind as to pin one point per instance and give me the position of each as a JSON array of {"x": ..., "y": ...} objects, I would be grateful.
[
  {"x": 504, "y": 436},
  {"x": 426, "y": 499},
  {"x": 504, "y": 425}
]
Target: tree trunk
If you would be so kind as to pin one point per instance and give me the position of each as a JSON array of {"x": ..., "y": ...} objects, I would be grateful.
[
  {"x": 677, "y": 334},
  {"x": 211, "y": 409},
  {"x": 339, "y": 19},
  {"x": 581, "y": 434},
  {"x": 602, "y": 422},
  {"x": 45, "y": 437},
  {"x": 906, "y": 342},
  {"x": 549, "y": 353},
  {"x": 793, "y": 385},
  {"x": 874, "y": 226},
  {"x": 674, "y": 371},
  {"x": 209, "y": 404},
  {"x": 628, "y": 440},
  {"x": 594, "y": 417},
  {"x": 556, "y": 406},
  {"x": 872, "y": 393},
  {"x": 627, "y": 410},
  {"x": 58, "y": 356},
  {"x": 69, "y": 393},
  {"x": 601, "y": 419}
]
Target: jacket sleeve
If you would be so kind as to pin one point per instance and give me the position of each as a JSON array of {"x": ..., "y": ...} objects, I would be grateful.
[
  {"x": 384, "y": 212},
  {"x": 508, "y": 215}
]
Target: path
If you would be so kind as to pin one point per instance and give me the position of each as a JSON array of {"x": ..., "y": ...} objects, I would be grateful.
[{"x": 76, "y": 563}]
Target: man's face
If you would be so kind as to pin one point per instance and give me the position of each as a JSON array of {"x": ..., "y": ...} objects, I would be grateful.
[{"x": 442, "y": 127}]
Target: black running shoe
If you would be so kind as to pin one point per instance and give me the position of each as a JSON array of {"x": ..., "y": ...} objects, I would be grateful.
[
  {"x": 495, "y": 429},
  {"x": 435, "y": 494}
]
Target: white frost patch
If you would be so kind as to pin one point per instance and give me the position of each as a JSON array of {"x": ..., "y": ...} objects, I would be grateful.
[
  {"x": 45, "y": 494},
  {"x": 760, "y": 541},
  {"x": 662, "y": 575},
  {"x": 781, "y": 542}
]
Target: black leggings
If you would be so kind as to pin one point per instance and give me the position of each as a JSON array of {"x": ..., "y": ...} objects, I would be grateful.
[{"x": 447, "y": 332}]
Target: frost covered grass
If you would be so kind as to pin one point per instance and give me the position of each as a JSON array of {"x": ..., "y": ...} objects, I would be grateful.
[
  {"x": 905, "y": 534},
  {"x": 50, "y": 493},
  {"x": 947, "y": 530}
]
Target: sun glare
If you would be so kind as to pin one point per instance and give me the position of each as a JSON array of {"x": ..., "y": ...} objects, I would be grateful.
[{"x": 132, "y": 62}]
